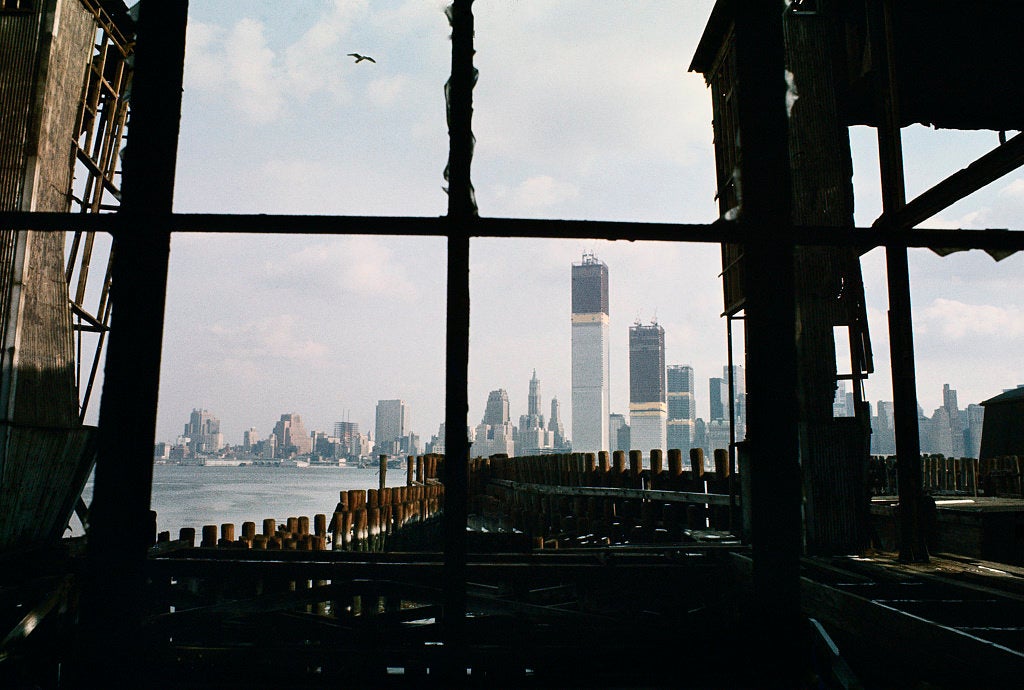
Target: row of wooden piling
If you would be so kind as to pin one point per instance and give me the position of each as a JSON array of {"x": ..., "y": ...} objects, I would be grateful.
[
  {"x": 518, "y": 501},
  {"x": 618, "y": 469},
  {"x": 363, "y": 520},
  {"x": 989, "y": 477}
]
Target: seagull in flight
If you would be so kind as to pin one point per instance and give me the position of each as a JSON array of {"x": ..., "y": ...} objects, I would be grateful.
[{"x": 360, "y": 58}]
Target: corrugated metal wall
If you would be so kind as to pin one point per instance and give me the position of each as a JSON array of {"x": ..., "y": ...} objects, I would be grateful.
[
  {"x": 44, "y": 452},
  {"x": 19, "y": 41}
]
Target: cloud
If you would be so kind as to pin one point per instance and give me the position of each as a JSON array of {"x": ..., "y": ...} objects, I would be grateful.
[
  {"x": 543, "y": 191},
  {"x": 359, "y": 264},
  {"x": 272, "y": 337},
  {"x": 957, "y": 320},
  {"x": 386, "y": 91}
]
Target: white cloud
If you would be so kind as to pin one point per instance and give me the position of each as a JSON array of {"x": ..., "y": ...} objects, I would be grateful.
[
  {"x": 957, "y": 320},
  {"x": 386, "y": 91},
  {"x": 543, "y": 191},
  {"x": 359, "y": 264},
  {"x": 272, "y": 337},
  {"x": 255, "y": 83}
]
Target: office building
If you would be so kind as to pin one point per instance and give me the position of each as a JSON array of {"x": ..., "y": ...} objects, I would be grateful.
[
  {"x": 495, "y": 434},
  {"x": 391, "y": 426},
  {"x": 532, "y": 437},
  {"x": 497, "y": 411},
  {"x": 681, "y": 407},
  {"x": 557, "y": 429},
  {"x": 203, "y": 433},
  {"x": 648, "y": 407},
  {"x": 618, "y": 432},
  {"x": 291, "y": 436},
  {"x": 591, "y": 401}
]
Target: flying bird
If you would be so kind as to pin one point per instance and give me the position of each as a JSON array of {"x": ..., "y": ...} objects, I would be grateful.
[{"x": 360, "y": 58}]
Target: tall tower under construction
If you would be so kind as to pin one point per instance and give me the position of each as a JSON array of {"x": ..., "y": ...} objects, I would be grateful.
[
  {"x": 591, "y": 401},
  {"x": 648, "y": 408}
]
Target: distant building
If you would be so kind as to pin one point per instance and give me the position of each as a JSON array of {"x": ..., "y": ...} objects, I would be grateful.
[
  {"x": 291, "y": 436},
  {"x": 648, "y": 408},
  {"x": 391, "y": 426},
  {"x": 161, "y": 451},
  {"x": 250, "y": 437},
  {"x": 347, "y": 434},
  {"x": 558, "y": 440},
  {"x": 532, "y": 437},
  {"x": 618, "y": 432},
  {"x": 718, "y": 399},
  {"x": 497, "y": 438},
  {"x": 681, "y": 407},
  {"x": 591, "y": 399},
  {"x": 883, "y": 430},
  {"x": 956, "y": 425},
  {"x": 497, "y": 411},
  {"x": 972, "y": 434},
  {"x": 203, "y": 432}
]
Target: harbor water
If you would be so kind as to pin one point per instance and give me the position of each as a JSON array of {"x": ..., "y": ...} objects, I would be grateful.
[{"x": 193, "y": 496}]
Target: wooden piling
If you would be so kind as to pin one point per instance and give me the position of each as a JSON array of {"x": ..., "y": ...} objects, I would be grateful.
[
  {"x": 383, "y": 472},
  {"x": 409, "y": 469},
  {"x": 188, "y": 534},
  {"x": 209, "y": 536},
  {"x": 269, "y": 527},
  {"x": 249, "y": 531}
]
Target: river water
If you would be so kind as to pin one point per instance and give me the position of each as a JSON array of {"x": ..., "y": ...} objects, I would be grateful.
[{"x": 193, "y": 496}]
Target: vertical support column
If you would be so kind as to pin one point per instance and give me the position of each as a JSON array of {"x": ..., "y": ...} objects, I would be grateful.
[
  {"x": 772, "y": 431},
  {"x": 109, "y": 645},
  {"x": 461, "y": 213},
  {"x": 913, "y": 548}
]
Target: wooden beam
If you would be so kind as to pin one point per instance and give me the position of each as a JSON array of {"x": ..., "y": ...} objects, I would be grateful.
[
  {"x": 110, "y": 650},
  {"x": 461, "y": 214},
  {"x": 996, "y": 163}
]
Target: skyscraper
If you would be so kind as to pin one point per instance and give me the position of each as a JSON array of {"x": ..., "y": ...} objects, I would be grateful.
[
  {"x": 555, "y": 426},
  {"x": 718, "y": 399},
  {"x": 591, "y": 401},
  {"x": 291, "y": 436},
  {"x": 390, "y": 425},
  {"x": 681, "y": 407},
  {"x": 648, "y": 409},
  {"x": 497, "y": 412},
  {"x": 203, "y": 432},
  {"x": 494, "y": 435},
  {"x": 532, "y": 438}
]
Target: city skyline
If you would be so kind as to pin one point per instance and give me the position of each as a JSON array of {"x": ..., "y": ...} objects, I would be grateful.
[{"x": 565, "y": 129}]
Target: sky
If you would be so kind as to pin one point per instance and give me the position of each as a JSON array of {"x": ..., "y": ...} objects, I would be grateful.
[{"x": 582, "y": 110}]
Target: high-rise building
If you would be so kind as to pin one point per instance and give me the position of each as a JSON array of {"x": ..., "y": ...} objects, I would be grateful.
[
  {"x": 532, "y": 438},
  {"x": 391, "y": 426},
  {"x": 203, "y": 432},
  {"x": 250, "y": 437},
  {"x": 972, "y": 435},
  {"x": 497, "y": 411},
  {"x": 648, "y": 407},
  {"x": 956, "y": 425},
  {"x": 718, "y": 399},
  {"x": 591, "y": 400},
  {"x": 495, "y": 435},
  {"x": 291, "y": 436},
  {"x": 347, "y": 434},
  {"x": 556, "y": 427},
  {"x": 883, "y": 430},
  {"x": 681, "y": 407},
  {"x": 618, "y": 432}
]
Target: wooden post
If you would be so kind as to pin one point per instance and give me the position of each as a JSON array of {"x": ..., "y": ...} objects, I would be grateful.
[
  {"x": 209, "y": 536},
  {"x": 109, "y": 648},
  {"x": 383, "y": 472},
  {"x": 409, "y": 469},
  {"x": 269, "y": 526},
  {"x": 188, "y": 534}
]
